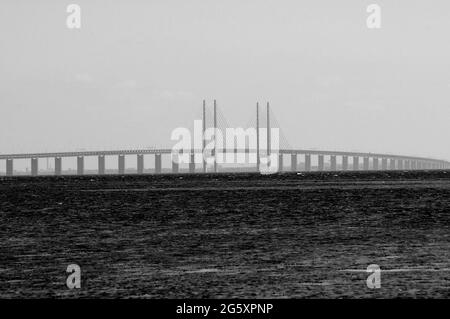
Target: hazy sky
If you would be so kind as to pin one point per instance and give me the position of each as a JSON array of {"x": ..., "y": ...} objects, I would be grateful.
[{"x": 138, "y": 69}]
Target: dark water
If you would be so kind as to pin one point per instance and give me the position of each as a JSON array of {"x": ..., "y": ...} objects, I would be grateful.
[{"x": 242, "y": 235}]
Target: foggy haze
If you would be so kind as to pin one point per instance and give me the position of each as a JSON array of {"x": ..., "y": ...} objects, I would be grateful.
[{"x": 136, "y": 70}]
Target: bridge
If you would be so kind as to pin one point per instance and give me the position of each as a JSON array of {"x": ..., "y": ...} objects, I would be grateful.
[{"x": 300, "y": 159}]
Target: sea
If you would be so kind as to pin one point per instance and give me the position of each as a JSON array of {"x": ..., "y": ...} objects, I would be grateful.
[{"x": 243, "y": 235}]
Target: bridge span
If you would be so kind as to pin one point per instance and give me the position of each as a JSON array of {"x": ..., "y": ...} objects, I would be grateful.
[{"x": 299, "y": 160}]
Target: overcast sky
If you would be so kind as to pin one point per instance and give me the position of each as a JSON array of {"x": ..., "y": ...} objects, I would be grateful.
[{"x": 138, "y": 69}]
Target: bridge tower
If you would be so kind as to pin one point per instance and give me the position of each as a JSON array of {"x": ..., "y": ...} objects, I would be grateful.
[
  {"x": 203, "y": 135},
  {"x": 257, "y": 137},
  {"x": 268, "y": 129},
  {"x": 215, "y": 136}
]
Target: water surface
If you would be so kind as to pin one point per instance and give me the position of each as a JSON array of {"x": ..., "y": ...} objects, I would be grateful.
[{"x": 228, "y": 235}]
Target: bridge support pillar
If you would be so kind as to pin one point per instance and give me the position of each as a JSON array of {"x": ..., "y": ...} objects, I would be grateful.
[
  {"x": 140, "y": 164},
  {"x": 204, "y": 163},
  {"x": 407, "y": 164},
  {"x": 392, "y": 164},
  {"x": 248, "y": 158},
  {"x": 384, "y": 164},
  {"x": 121, "y": 164},
  {"x": 293, "y": 162},
  {"x": 320, "y": 162},
  {"x": 216, "y": 166},
  {"x": 375, "y": 163},
  {"x": 58, "y": 166},
  {"x": 192, "y": 163},
  {"x": 333, "y": 162},
  {"x": 400, "y": 164},
  {"x": 280, "y": 162},
  {"x": 34, "y": 167},
  {"x": 366, "y": 164},
  {"x": 9, "y": 167},
  {"x": 80, "y": 165},
  {"x": 307, "y": 162},
  {"x": 175, "y": 166},
  {"x": 356, "y": 163},
  {"x": 101, "y": 165},
  {"x": 344, "y": 163},
  {"x": 158, "y": 164}
]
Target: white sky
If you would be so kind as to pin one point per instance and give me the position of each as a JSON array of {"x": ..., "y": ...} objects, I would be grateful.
[{"x": 138, "y": 69}]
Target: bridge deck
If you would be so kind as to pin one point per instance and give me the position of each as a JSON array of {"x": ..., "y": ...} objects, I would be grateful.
[{"x": 168, "y": 151}]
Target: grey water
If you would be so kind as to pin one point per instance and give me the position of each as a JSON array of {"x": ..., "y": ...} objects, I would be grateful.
[{"x": 290, "y": 235}]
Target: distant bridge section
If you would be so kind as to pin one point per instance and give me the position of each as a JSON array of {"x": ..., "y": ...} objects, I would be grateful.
[{"x": 300, "y": 160}]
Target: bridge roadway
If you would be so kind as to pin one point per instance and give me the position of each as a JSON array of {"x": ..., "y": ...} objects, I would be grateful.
[
  {"x": 371, "y": 161},
  {"x": 169, "y": 151}
]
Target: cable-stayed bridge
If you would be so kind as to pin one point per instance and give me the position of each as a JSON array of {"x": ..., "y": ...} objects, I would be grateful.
[{"x": 296, "y": 159}]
